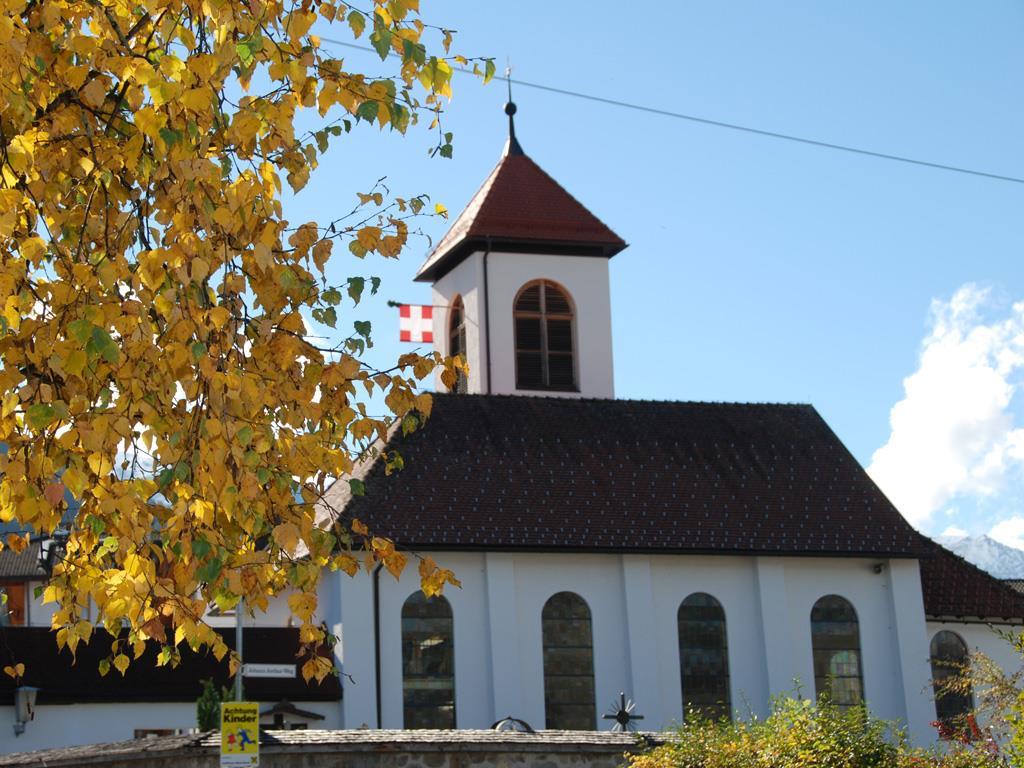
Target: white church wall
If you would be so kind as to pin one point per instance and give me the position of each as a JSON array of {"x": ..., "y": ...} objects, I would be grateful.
[
  {"x": 911, "y": 636},
  {"x": 356, "y": 651},
  {"x": 808, "y": 580},
  {"x": 586, "y": 280},
  {"x": 634, "y": 601},
  {"x": 598, "y": 580},
  {"x": 473, "y": 703},
  {"x": 730, "y": 580},
  {"x": 890, "y": 612},
  {"x": 465, "y": 281}
]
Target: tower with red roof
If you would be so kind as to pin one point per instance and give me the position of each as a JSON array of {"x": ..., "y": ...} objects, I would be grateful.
[{"x": 522, "y": 281}]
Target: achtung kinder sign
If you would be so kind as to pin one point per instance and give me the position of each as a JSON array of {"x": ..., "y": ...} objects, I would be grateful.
[{"x": 239, "y": 734}]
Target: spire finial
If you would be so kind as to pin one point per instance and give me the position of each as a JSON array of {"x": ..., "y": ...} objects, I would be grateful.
[{"x": 513, "y": 147}]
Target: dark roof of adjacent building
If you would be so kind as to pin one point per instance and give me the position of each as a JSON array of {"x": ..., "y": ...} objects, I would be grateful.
[
  {"x": 954, "y": 588},
  {"x": 537, "y": 473},
  {"x": 22, "y": 566},
  {"x": 61, "y": 679},
  {"x": 519, "y": 207}
]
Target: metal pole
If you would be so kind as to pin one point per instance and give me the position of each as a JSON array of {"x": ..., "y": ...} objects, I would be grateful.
[{"x": 239, "y": 610}]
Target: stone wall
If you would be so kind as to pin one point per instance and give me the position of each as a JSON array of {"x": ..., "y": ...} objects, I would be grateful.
[{"x": 356, "y": 749}]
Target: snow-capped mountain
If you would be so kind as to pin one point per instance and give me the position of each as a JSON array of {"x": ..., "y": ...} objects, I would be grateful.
[{"x": 1001, "y": 561}]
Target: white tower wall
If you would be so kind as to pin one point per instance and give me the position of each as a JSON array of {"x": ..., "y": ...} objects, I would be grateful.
[{"x": 587, "y": 283}]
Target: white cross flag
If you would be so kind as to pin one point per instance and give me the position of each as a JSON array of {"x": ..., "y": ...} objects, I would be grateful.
[{"x": 416, "y": 323}]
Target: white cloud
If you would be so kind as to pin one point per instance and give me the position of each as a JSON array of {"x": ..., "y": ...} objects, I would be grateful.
[
  {"x": 954, "y": 531},
  {"x": 953, "y": 433},
  {"x": 1009, "y": 532}
]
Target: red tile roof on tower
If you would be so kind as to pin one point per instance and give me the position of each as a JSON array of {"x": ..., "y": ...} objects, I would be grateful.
[{"x": 520, "y": 207}]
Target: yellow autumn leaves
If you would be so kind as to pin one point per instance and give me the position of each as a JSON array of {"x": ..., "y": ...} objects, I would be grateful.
[{"x": 164, "y": 405}]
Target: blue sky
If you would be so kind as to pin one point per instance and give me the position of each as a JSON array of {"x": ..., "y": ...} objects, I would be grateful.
[{"x": 760, "y": 270}]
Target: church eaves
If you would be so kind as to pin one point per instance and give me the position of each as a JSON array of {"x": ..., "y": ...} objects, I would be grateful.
[{"x": 520, "y": 208}]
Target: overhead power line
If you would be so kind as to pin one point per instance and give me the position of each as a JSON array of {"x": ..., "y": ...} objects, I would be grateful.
[{"x": 730, "y": 126}]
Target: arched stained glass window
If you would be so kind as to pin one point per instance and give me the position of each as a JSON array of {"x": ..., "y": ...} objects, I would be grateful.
[
  {"x": 568, "y": 663},
  {"x": 457, "y": 339},
  {"x": 949, "y": 659},
  {"x": 544, "y": 338},
  {"x": 428, "y": 662},
  {"x": 835, "y": 638},
  {"x": 704, "y": 657}
]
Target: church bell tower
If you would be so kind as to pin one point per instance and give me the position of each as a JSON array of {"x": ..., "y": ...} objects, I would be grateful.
[{"x": 521, "y": 283}]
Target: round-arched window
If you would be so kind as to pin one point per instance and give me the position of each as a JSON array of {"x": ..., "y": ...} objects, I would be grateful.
[
  {"x": 457, "y": 339},
  {"x": 544, "y": 338},
  {"x": 835, "y": 639},
  {"x": 569, "y": 702},
  {"x": 428, "y": 662},
  {"x": 949, "y": 660},
  {"x": 704, "y": 657}
]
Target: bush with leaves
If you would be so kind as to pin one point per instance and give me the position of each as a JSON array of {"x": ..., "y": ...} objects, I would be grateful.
[{"x": 801, "y": 734}]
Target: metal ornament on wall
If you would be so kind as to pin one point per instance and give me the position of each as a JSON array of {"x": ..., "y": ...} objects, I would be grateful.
[
  {"x": 621, "y": 712},
  {"x": 512, "y": 724}
]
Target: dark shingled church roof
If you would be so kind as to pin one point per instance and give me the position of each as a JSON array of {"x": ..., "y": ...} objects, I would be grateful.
[
  {"x": 549, "y": 474},
  {"x": 620, "y": 475},
  {"x": 520, "y": 207}
]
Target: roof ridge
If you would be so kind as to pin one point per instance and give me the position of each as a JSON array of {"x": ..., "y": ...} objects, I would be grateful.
[{"x": 624, "y": 400}]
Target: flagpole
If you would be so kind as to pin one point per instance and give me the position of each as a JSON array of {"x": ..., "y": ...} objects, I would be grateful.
[{"x": 392, "y": 303}]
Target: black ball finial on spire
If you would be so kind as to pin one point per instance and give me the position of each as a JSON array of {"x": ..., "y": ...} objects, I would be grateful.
[{"x": 512, "y": 147}]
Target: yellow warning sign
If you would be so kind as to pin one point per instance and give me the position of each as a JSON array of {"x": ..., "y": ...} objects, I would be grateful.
[{"x": 239, "y": 734}]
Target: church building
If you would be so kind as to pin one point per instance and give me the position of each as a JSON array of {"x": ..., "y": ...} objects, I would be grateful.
[
  {"x": 692, "y": 556},
  {"x": 685, "y": 556}
]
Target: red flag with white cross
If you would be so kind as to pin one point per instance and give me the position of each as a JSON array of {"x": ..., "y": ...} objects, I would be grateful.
[{"x": 416, "y": 323}]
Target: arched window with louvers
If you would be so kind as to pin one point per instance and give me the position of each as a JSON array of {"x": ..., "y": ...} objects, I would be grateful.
[{"x": 545, "y": 338}]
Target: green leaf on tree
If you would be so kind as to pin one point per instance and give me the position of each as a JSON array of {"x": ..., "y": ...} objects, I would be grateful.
[{"x": 40, "y": 415}]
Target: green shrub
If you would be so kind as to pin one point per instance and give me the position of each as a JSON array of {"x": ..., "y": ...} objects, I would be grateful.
[
  {"x": 208, "y": 706},
  {"x": 801, "y": 734}
]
